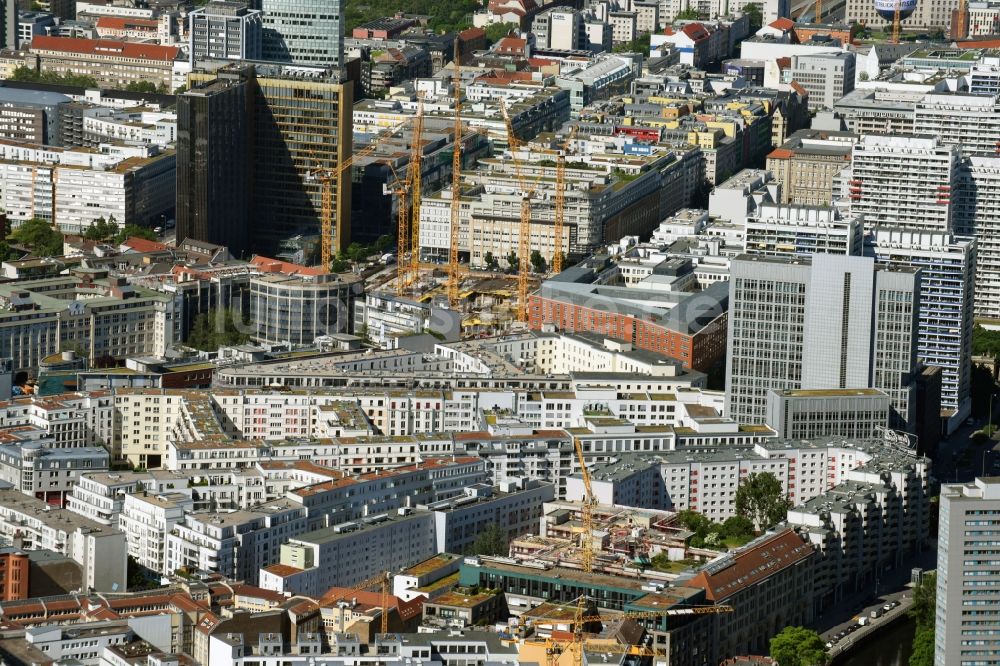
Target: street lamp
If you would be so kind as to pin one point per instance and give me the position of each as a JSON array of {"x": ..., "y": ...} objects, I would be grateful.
[{"x": 989, "y": 423}]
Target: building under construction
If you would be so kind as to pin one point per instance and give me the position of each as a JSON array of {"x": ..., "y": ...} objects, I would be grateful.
[{"x": 374, "y": 203}]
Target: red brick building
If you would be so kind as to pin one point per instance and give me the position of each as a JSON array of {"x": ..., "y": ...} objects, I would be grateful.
[
  {"x": 687, "y": 326},
  {"x": 13, "y": 576}
]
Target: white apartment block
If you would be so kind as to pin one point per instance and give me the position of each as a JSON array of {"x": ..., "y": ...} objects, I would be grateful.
[
  {"x": 345, "y": 554},
  {"x": 158, "y": 128},
  {"x": 443, "y": 647},
  {"x": 866, "y": 524},
  {"x": 984, "y": 17},
  {"x": 969, "y": 121},
  {"x": 944, "y": 339},
  {"x": 904, "y": 180},
  {"x": 34, "y": 525},
  {"x": 967, "y": 629},
  {"x": 48, "y": 474},
  {"x": 235, "y": 544},
  {"x": 706, "y": 481},
  {"x": 977, "y": 213},
  {"x": 777, "y": 230},
  {"x": 827, "y": 77},
  {"x": 515, "y": 507},
  {"x": 101, "y": 496},
  {"x": 984, "y": 76},
  {"x": 72, "y": 188},
  {"x": 146, "y": 520},
  {"x": 352, "y": 498},
  {"x": 68, "y": 420}
]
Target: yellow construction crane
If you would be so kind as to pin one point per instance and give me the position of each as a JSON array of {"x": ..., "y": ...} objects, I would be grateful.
[
  {"x": 560, "y": 216},
  {"x": 416, "y": 158},
  {"x": 456, "y": 182},
  {"x": 819, "y": 11},
  {"x": 587, "y": 543},
  {"x": 326, "y": 177},
  {"x": 400, "y": 188},
  {"x": 381, "y": 581},
  {"x": 524, "y": 230},
  {"x": 579, "y": 645},
  {"x": 896, "y": 22}
]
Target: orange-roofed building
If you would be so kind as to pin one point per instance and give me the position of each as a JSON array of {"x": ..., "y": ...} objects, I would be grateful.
[
  {"x": 808, "y": 163},
  {"x": 127, "y": 27},
  {"x": 768, "y": 583},
  {"x": 268, "y": 265},
  {"x": 142, "y": 245},
  {"x": 112, "y": 63},
  {"x": 696, "y": 43},
  {"x": 346, "y": 609},
  {"x": 512, "y": 46}
]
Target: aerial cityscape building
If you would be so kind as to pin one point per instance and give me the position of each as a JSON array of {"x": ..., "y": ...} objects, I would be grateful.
[{"x": 636, "y": 332}]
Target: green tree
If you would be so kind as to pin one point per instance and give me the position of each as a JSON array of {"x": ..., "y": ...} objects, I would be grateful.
[
  {"x": 357, "y": 252},
  {"x": 491, "y": 541},
  {"x": 537, "y": 261},
  {"x": 923, "y": 648},
  {"x": 798, "y": 646},
  {"x": 181, "y": 89},
  {"x": 217, "y": 328},
  {"x": 985, "y": 342},
  {"x": 925, "y": 601},
  {"x": 383, "y": 243},
  {"x": 40, "y": 237},
  {"x": 761, "y": 500},
  {"x": 141, "y": 86},
  {"x": 497, "y": 31},
  {"x": 134, "y": 231},
  {"x": 923, "y": 614},
  {"x": 638, "y": 45},
  {"x": 756, "y": 19},
  {"x": 102, "y": 229},
  {"x": 687, "y": 14},
  {"x": 737, "y": 527},
  {"x": 491, "y": 262},
  {"x": 513, "y": 262}
]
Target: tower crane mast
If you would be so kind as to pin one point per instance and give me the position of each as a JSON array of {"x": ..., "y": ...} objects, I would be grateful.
[
  {"x": 524, "y": 228},
  {"x": 456, "y": 182}
]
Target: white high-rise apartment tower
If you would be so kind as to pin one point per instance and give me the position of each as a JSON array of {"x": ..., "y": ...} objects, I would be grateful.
[
  {"x": 967, "y": 626},
  {"x": 904, "y": 180}
]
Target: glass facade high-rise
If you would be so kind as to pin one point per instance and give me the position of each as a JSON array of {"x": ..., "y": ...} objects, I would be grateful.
[
  {"x": 305, "y": 32},
  {"x": 214, "y": 162},
  {"x": 299, "y": 123}
]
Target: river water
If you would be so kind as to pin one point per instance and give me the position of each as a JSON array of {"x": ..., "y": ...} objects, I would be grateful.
[{"x": 891, "y": 648}]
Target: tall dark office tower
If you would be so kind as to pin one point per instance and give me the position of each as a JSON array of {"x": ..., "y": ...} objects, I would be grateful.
[
  {"x": 299, "y": 124},
  {"x": 214, "y": 162},
  {"x": 306, "y": 32}
]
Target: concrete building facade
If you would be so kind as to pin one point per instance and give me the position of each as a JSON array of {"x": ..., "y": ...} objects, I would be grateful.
[
  {"x": 780, "y": 335},
  {"x": 967, "y": 630}
]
